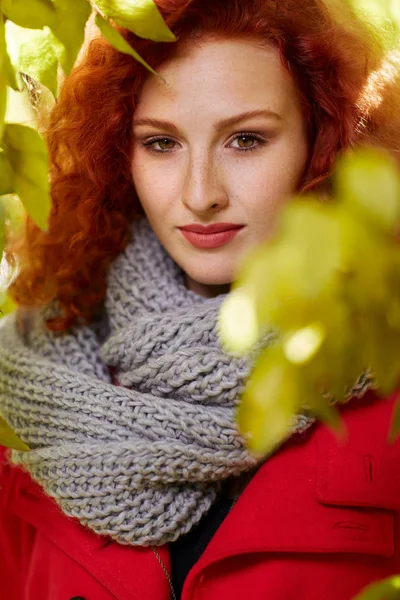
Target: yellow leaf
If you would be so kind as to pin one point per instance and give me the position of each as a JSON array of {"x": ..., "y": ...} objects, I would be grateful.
[
  {"x": 119, "y": 42},
  {"x": 9, "y": 438},
  {"x": 140, "y": 16}
]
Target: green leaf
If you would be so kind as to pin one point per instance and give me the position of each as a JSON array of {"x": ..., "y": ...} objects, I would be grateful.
[
  {"x": 119, "y": 42},
  {"x": 15, "y": 212},
  {"x": 7, "y": 67},
  {"x": 19, "y": 108},
  {"x": 368, "y": 182},
  {"x": 388, "y": 589},
  {"x": 9, "y": 438},
  {"x": 32, "y": 52},
  {"x": 3, "y": 77},
  {"x": 7, "y": 185},
  {"x": 68, "y": 32},
  {"x": 140, "y": 16},
  {"x": 28, "y": 156},
  {"x": 3, "y": 101},
  {"x": 34, "y": 14}
]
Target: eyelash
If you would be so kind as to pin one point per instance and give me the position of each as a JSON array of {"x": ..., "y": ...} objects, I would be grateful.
[{"x": 261, "y": 141}]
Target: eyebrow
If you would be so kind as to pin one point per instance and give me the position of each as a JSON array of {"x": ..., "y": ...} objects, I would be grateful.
[{"x": 222, "y": 124}]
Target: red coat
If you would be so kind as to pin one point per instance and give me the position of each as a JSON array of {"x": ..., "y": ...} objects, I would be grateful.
[{"x": 319, "y": 521}]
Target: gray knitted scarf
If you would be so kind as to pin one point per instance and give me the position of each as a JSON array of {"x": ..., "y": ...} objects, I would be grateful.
[{"x": 140, "y": 458}]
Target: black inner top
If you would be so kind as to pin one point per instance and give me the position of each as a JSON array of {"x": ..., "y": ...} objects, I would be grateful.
[{"x": 186, "y": 551}]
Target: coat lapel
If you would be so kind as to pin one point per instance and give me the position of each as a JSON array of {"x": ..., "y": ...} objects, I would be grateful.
[{"x": 127, "y": 572}]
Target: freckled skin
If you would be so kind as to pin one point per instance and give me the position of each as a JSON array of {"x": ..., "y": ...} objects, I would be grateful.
[{"x": 204, "y": 175}]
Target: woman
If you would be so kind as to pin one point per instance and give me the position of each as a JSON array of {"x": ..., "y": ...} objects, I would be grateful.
[{"x": 138, "y": 485}]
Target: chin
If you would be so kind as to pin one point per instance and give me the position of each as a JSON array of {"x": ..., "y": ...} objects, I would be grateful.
[{"x": 209, "y": 278}]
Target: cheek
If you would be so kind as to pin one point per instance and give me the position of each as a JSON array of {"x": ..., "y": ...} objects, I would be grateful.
[
  {"x": 152, "y": 186},
  {"x": 264, "y": 185}
]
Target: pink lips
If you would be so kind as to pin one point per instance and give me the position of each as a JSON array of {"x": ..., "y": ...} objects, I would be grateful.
[{"x": 210, "y": 236}]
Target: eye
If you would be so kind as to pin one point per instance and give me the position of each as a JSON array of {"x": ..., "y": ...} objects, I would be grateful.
[
  {"x": 248, "y": 141},
  {"x": 165, "y": 144}
]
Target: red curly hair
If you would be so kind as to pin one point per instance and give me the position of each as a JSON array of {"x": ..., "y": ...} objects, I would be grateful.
[{"x": 331, "y": 56}]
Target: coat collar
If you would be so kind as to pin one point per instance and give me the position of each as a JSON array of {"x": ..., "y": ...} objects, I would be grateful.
[{"x": 303, "y": 499}]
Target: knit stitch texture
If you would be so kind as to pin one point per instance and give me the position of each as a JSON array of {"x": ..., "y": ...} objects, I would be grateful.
[{"x": 142, "y": 461}]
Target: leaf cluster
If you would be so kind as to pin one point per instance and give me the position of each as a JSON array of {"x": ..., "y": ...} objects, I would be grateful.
[
  {"x": 39, "y": 39},
  {"x": 328, "y": 284}
]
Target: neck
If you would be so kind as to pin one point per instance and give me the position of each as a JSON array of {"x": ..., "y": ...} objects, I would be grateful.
[{"x": 207, "y": 291}]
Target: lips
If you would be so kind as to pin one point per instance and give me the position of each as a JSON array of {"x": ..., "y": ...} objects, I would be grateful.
[
  {"x": 214, "y": 228},
  {"x": 211, "y": 236}
]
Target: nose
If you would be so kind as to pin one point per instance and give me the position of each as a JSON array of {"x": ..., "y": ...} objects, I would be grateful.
[{"x": 203, "y": 189}]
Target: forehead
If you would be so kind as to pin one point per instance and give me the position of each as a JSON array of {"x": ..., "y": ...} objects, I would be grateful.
[{"x": 213, "y": 77}]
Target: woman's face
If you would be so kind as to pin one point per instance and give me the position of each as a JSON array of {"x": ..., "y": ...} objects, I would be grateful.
[{"x": 223, "y": 141}]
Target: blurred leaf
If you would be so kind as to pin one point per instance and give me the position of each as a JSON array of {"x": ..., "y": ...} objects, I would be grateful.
[
  {"x": 271, "y": 397},
  {"x": 6, "y": 176},
  {"x": 276, "y": 271},
  {"x": 9, "y": 438},
  {"x": 33, "y": 14},
  {"x": 119, "y": 42},
  {"x": 238, "y": 325},
  {"x": 327, "y": 414},
  {"x": 68, "y": 32},
  {"x": 301, "y": 346},
  {"x": 31, "y": 52},
  {"x": 28, "y": 156},
  {"x": 383, "y": 346},
  {"x": 369, "y": 183},
  {"x": 389, "y": 589},
  {"x": 7, "y": 305},
  {"x": 140, "y": 16},
  {"x": 2, "y": 223},
  {"x": 329, "y": 283},
  {"x": 395, "y": 424},
  {"x": 383, "y": 13}
]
